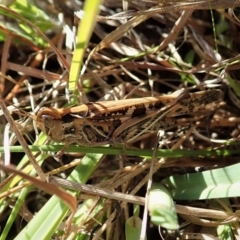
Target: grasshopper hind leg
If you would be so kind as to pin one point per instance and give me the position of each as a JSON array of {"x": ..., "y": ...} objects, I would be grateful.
[{"x": 146, "y": 126}]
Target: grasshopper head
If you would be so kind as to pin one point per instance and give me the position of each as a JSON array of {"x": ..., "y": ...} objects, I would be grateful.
[{"x": 49, "y": 121}]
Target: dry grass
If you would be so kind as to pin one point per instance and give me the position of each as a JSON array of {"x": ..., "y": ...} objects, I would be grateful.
[{"x": 138, "y": 53}]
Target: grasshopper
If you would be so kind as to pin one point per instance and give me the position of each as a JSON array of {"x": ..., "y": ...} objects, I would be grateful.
[{"x": 122, "y": 121}]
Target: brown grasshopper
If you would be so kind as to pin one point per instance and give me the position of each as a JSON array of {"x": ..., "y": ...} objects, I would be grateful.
[{"x": 121, "y": 121}]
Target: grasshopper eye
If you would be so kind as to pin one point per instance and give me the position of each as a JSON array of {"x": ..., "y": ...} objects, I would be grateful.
[
  {"x": 48, "y": 121},
  {"x": 45, "y": 123},
  {"x": 51, "y": 126},
  {"x": 45, "y": 118}
]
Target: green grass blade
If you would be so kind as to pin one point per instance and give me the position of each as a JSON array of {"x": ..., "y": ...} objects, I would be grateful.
[
  {"x": 161, "y": 207},
  {"x": 85, "y": 30},
  {"x": 145, "y": 153},
  {"x": 15, "y": 211},
  {"x": 47, "y": 220},
  {"x": 217, "y": 183},
  {"x": 133, "y": 228}
]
